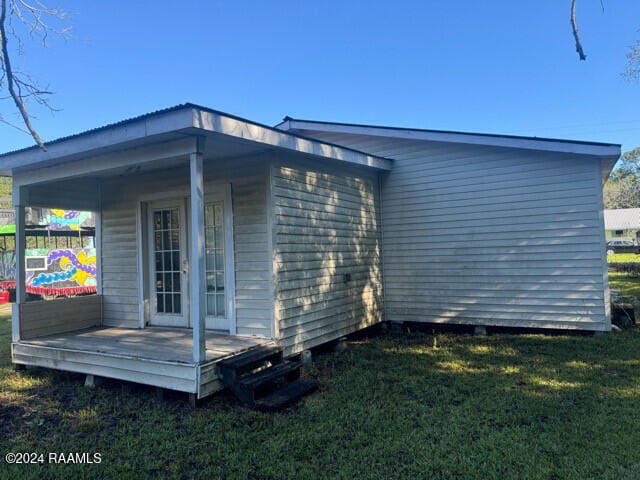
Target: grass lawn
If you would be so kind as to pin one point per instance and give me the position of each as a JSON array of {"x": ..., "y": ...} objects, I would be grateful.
[
  {"x": 498, "y": 407},
  {"x": 628, "y": 285},
  {"x": 623, "y": 258}
]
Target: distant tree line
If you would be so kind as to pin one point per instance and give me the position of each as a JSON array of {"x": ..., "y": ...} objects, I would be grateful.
[{"x": 622, "y": 189}]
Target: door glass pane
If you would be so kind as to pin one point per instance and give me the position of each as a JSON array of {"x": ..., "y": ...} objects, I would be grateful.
[
  {"x": 220, "y": 304},
  {"x": 214, "y": 244},
  {"x": 166, "y": 234},
  {"x": 208, "y": 215},
  {"x": 160, "y": 302},
  {"x": 211, "y": 260},
  {"x": 219, "y": 259},
  {"x": 211, "y": 282},
  {"x": 176, "y": 303},
  {"x": 175, "y": 239},
  {"x": 211, "y": 304}
]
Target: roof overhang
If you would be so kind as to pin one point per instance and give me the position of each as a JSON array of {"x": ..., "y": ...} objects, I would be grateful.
[
  {"x": 608, "y": 153},
  {"x": 175, "y": 124}
]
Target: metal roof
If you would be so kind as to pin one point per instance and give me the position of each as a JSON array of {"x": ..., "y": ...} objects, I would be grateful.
[
  {"x": 622, "y": 219},
  {"x": 453, "y": 132},
  {"x": 101, "y": 128},
  {"x": 139, "y": 128}
]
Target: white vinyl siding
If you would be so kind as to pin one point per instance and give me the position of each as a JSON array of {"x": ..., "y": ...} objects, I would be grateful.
[
  {"x": 327, "y": 252},
  {"x": 120, "y": 196},
  {"x": 253, "y": 270},
  {"x": 50, "y": 317},
  {"x": 489, "y": 236}
]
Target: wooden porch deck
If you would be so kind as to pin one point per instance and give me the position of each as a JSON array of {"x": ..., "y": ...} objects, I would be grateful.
[{"x": 154, "y": 356}]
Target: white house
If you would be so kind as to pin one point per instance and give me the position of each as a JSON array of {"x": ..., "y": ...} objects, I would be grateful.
[
  {"x": 220, "y": 238},
  {"x": 622, "y": 224}
]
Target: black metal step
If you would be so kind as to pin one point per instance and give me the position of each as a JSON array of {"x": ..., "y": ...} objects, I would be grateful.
[
  {"x": 287, "y": 395},
  {"x": 269, "y": 375},
  {"x": 231, "y": 369}
]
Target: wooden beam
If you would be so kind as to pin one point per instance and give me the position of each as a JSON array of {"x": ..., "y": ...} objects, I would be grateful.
[
  {"x": 20, "y": 270},
  {"x": 197, "y": 263},
  {"x": 230, "y": 263},
  {"x": 97, "y": 242}
]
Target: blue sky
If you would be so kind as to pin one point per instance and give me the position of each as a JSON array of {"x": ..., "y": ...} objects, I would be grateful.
[{"x": 499, "y": 66}]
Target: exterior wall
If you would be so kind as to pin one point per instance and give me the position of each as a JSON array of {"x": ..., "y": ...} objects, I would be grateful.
[
  {"x": 253, "y": 270},
  {"x": 632, "y": 235},
  {"x": 120, "y": 256},
  {"x": 325, "y": 229},
  {"x": 120, "y": 285},
  {"x": 490, "y": 236},
  {"x": 38, "y": 319}
]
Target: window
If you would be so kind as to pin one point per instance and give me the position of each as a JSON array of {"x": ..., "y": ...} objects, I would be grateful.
[
  {"x": 619, "y": 232},
  {"x": 36, "y": 263},
  {"x": 214, "y": 251}
]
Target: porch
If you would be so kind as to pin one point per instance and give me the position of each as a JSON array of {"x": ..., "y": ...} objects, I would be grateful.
[
  {"x": 157, "y": 356},
  {"x": 185, "y": 237}
]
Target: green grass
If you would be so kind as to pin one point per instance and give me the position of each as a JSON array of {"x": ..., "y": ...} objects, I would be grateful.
[
  {"x": 623, "y": 258},
  {"x": 498, "y": 407},
  {"x": 628, "y": 285}
]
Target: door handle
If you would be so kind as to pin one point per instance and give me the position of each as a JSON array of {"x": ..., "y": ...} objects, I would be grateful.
[{"x": 185, "y": 267}]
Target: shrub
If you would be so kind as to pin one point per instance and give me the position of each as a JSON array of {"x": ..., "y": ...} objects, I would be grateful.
[{"x": 632, "y": 269}]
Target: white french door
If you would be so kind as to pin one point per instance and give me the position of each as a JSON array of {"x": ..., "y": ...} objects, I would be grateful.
[
  {"x": 168, "y": 264},
  {"x": 217, "y": 259}
]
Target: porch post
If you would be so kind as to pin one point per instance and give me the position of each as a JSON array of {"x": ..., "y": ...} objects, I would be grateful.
[
  {"x": 97, "y": 241},
  {"x": 20, "y": 269},
  {"x": 197, "y": 267}
]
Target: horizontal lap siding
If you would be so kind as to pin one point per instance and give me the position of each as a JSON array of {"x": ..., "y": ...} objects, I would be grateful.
[
  {"x": 254, "y": 294},
  {"x": 121, "y": 306},
  {"x": 480, "y": 235},
  {"x": 325, "y": 226},
  {"x": 38, "y": 319},
  {"x": 254, "y": 291}
]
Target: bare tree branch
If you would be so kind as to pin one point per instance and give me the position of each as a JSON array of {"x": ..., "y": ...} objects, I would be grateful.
[
  {"x": 12, "y": 86},
  {"x": 21, "y": 20},
  {"x": 574, "y": 28},
  {"x": 632, "y": 71}
]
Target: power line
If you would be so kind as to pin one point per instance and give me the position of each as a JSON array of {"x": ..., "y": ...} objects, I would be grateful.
[{"x": 584, "y": 125}]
